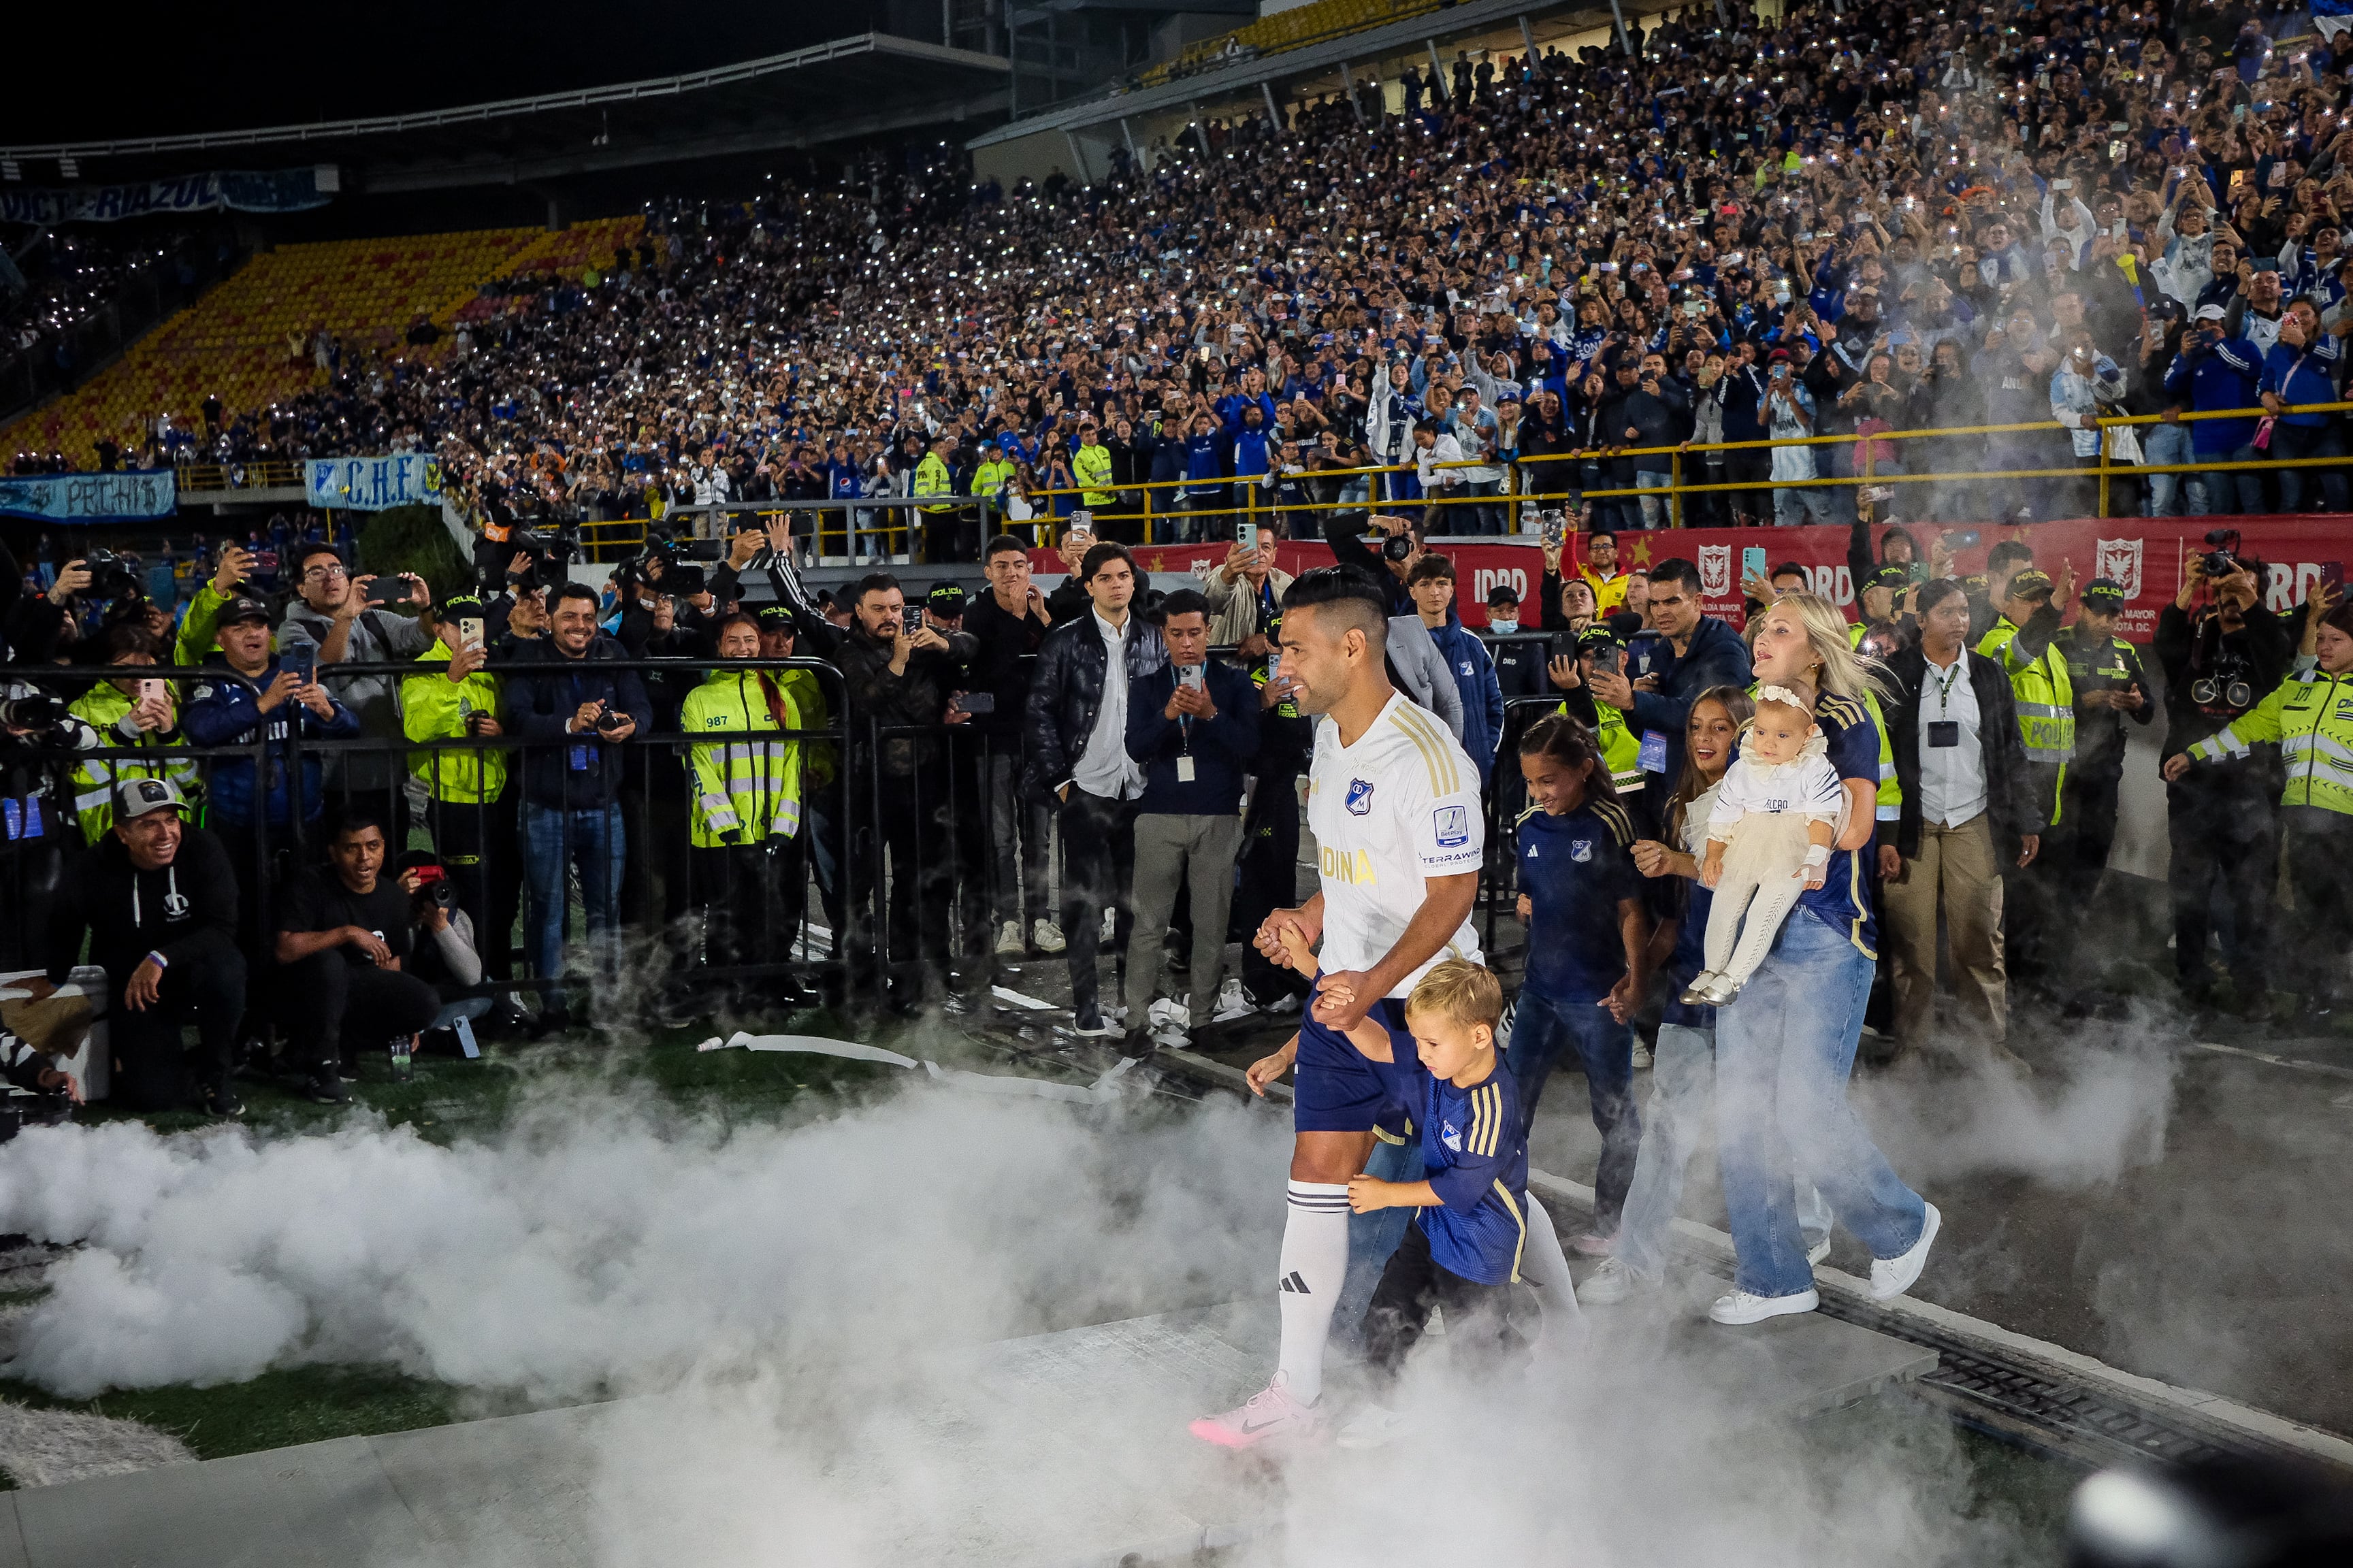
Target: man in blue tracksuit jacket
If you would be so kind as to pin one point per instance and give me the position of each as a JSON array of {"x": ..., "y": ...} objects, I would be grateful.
[
  {"x": 1205, "y": 474},
  {"x": 2302, "y": 368},
  {"x": 1431, "y": 585},
  {"x": 2217, "y": 372},
  {"x": 227, "y": 713}
]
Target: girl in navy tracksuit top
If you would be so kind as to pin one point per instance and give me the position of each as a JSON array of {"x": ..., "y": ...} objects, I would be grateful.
[{"x": 1582, "y": 901}]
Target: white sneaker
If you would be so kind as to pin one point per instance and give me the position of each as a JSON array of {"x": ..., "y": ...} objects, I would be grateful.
[
  {"x": 1111, "y": 925},
  {"x": 1740, "y": 1307},
  {"x": 1271, "y": 1411},
  {"x": 1008, "y": 940},
  {"x": 1819, "y": 1250},
  {"x": 1047, "y": 936},
  {"x": 1642, "y": 1056},
  {"x": 1609, "y": 1285},
  {"x": 1891, "y": 1276},
  {"x": 1231, "y": 1004},
  {"x": 1374, "y": 1426}
]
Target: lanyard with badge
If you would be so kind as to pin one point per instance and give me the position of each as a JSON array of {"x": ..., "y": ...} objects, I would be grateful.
[
  {"x": 1946, "y": 732},
  {"x": 1196, "y": 676}
]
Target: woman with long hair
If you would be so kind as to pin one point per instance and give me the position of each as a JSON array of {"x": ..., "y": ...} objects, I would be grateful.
[
  {"x": 1785, "y": 1046},
  {"x": 1683, "y": 1062}
]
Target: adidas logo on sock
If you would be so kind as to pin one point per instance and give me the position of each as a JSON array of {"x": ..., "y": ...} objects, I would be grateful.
[{"x": 1295, "y": 1285}]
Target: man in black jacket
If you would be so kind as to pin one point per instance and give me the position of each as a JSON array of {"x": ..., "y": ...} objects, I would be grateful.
[
  {"x": 2220, "y": 656},
  {"x": 1647, "y": 409},
  {"x": 159, "y": 902},
  {"x": 1076, "y": 730},
  {"x": 1008, "y": 626},
  {"x": 572, "y": 716},
  {"x": 1969, "y": 809}
]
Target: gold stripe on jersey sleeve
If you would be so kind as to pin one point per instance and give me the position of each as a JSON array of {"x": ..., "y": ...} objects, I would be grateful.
[
  {"x": 1526, "y": 814},
  {"x": 1444, "y": 778},
  {"x": 1613, "y": 816},
  {"x": 1519, "y": 1219},
  {"x": 1470, "y": 1134},
  {"x": 1491, "y": 1105}
]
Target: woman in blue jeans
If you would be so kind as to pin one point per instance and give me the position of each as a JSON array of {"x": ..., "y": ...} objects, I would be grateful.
[
  {"x": 1784, "y": 1048},
  {"x": 1682, "y": 1072},
  {"x": 1581, "y": 899}
]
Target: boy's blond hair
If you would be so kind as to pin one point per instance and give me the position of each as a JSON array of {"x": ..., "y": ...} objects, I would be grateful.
[{"x": 1463, "y": 991}]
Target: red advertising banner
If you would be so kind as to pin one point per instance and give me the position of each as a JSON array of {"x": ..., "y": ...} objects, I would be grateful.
[{"x": 2149, "y": 556}]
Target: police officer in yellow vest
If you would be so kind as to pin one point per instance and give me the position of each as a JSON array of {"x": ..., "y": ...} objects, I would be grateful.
[
  {"x": 2024, "y": 642},
  {"x": 2309, "y": 717},
  {"x": 934, "y": 486},
  {"x": 1620, "y": 748},
  {"x": 995, "y": 473},
  {"x": 1091, "y": 467},
  {"x": 2110, "y": 687},
  {"x": 745, "y": 776}
]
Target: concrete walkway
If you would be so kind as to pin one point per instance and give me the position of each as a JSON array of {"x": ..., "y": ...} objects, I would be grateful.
[{"x": 1079, "y": 1487}]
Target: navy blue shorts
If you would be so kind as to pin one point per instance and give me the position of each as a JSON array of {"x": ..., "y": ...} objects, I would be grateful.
[{"x": 1335, "y": 1089}]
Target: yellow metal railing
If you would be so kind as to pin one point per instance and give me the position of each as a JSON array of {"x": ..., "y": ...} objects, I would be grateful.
[{"x": 275, "y": 473}]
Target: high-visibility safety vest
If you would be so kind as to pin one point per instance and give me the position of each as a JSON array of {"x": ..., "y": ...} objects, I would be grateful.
[
  {"x": 2044, "y": 695},
  {"x": 106, "y": 710},
  {"x": 993, "y": 475},
  {"x": 932, "y": 479},
  {"x": 433, "y": 708},
  {"x": 2310, "y": 717},
  {"x": 748, "y": 787},
  {"x": 1091, "y": 466},
  {"x": 1620, "y": 752}
]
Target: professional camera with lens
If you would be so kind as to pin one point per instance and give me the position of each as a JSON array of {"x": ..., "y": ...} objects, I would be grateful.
[
  {"x": 39, "y": 720},
  {"x": 111, "y": 576},
  {"x": 551, "y": 546},
  {"x": 50, "y": 1107},
  {"x": 2222, "y": 557}
]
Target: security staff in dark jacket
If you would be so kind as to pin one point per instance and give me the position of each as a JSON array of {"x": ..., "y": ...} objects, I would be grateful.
[
  {"x": 573, "y": 715},
  {"x": 1519, "y": 665},
  {"x": 2221, "y": 653},
  {"x": 158, "y": 902},
  {"x": 1078, "y": 763}
]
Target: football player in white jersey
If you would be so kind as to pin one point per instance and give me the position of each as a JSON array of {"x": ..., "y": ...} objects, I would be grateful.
[{"x": 1394, "y": 802}]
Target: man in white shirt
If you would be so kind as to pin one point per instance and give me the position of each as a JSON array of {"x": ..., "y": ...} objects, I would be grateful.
[
  {"x": 1967, "y": 807},
  {"x": 1394, "y": 803},
  {"x": 1076, "y": 730}
]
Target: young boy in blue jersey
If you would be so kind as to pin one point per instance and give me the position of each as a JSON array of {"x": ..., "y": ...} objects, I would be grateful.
[{"x": 1470, "y": 1233}]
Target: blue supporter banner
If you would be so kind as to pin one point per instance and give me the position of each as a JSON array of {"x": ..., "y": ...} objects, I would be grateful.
[
  {"x": 129, "y": 497},
  {"x": 372, "y": 484},
  {"x": 273, "y": 190}
]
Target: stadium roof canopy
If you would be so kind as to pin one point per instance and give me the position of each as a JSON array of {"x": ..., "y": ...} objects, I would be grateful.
[{"x": 868, "y": 84}]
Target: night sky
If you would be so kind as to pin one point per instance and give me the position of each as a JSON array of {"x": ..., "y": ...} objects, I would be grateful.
[{"x": 149, "y": 70}]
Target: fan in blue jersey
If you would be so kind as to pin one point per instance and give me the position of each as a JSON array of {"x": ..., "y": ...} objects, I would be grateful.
[{"x": 1588, "y": 938}]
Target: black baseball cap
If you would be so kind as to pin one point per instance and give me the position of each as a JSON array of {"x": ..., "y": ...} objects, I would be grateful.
[
  {"x": 2031, "y": 584},
  {"x": 453, "y": 607},
  {"x": 945, "y": 599},
  {"x": 1598, "y": 636},
  {"x": 774, "y": 618},
  {"x": 1502, "y": 594},
  {"x": 243, "y": 607},
  {"x": 2103, "y": 594},
  {"x": 1888, "y": 577}
]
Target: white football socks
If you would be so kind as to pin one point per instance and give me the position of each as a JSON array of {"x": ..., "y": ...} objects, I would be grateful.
[
  {"x": 1314, "y": 1264},
  {"x": 1543, "y": 1265}
]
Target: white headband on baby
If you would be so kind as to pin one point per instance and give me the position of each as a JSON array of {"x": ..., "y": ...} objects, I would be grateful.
[{"x": 1782, "y": 694}]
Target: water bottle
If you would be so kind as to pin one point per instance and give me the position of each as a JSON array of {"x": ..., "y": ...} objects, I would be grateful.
[{"x": 400, "y": 1068}]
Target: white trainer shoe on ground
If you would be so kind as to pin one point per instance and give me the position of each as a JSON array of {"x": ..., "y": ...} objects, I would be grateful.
[
  {"x": 1819, "y": 1250},
  {"x": 1740, "y": 1307},
  {"x": 1231, "y": 1004},
  {"x": 1891, "y": 1276},
  {"x": 1374, "y": 1426},
  {"x": 1008, "y": 940},
  {"x": 1047, "y": 936},
  {"x": 1609, "y": 1284},
  {"x": 1271, "y": 1411},
  {"x": 1641, "y": 1057},
  {"x": 1111, "y": 925}
]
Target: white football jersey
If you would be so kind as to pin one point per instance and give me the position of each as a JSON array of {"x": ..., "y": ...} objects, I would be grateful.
[{"x": 1401, "y": 804}]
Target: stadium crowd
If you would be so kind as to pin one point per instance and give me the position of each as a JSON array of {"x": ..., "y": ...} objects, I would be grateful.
[{"x": 1942, "y": 222}]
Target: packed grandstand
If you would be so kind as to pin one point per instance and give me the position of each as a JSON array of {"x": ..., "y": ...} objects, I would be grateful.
[{"x": 1495, "y": 227}]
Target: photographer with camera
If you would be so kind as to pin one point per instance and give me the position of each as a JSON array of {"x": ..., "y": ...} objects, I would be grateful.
[
  {"x": 2222, "y": 652},
  {"x": 283, "y": 704},
  {"x": 442, "y": 946},
  {"x": 471, "y": 812},
  {"x": 157, "y": 899},
  {"x": 339, "y": 616},
  {"x": 572, "y": 717},
  {"x": 344, "y": 930},
  {"x": 2309, "y": 717},
  {"x": 129, "y": 712}
]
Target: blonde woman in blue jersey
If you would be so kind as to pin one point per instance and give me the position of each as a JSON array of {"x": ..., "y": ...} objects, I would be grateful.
[{"x": 1785, "y": 1045}]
